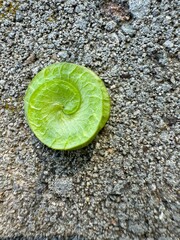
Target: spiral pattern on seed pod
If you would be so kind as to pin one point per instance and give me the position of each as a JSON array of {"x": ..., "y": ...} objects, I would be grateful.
[{"x": 66, "y": 105}]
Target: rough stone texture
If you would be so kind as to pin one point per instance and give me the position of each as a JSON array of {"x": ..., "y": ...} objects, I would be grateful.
[
  {"x": 139, "y": 8},
  {"x": 125, "y": 184}
]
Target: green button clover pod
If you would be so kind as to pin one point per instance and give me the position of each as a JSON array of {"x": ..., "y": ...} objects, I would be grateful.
[{"x": 66, "y": 105}]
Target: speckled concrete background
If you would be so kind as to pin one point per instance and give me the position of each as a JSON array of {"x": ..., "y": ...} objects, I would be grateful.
[{"x": 125, "y": 184}]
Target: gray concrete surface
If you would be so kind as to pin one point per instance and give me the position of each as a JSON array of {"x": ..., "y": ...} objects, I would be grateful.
[{"x": 125, "y": 184}]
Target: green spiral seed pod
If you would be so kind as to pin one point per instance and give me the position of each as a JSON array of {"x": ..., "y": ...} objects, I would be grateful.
[{"x": 66, "y": 105}]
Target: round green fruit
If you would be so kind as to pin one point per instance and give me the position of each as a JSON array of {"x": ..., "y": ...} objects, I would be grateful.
[{"x": 66, "y": 105}]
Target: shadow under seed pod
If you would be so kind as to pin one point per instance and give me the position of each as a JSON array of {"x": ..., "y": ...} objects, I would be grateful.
[{"x": 62, "y": 163}]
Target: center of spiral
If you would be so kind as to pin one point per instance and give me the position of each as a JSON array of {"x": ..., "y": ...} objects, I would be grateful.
[{"x": 64, "y": 96}]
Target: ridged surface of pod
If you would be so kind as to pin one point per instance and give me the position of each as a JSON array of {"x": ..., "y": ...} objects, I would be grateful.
[{"x": 66, "y": 105}]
